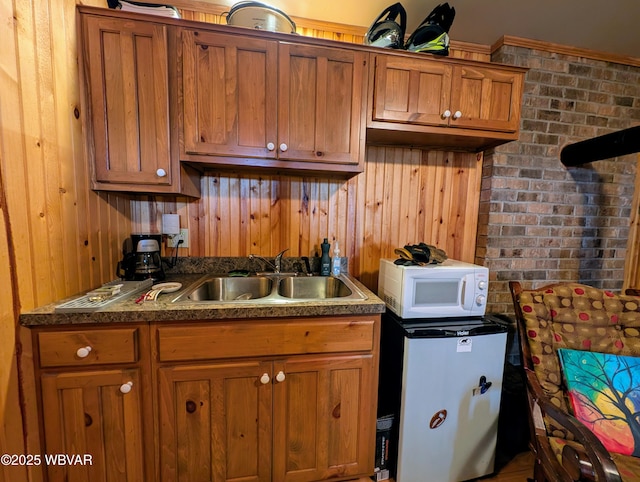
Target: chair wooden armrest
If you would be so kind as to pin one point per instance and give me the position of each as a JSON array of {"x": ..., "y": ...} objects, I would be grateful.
[
  {"x": 576, "y": 462},
  {"x": 593, "y": 457}
]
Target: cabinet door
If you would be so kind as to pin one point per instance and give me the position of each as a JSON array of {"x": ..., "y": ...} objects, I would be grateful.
[
  {"x": 324, "y": 418},
  {"x": 415, "y": 91},
  {"x": 215, "y": 422},
  {"x": 87, "y": 413},
  {"x": 229, "y": 95},
  {"x": 128, "y": 87},
  {"x": 487, "y": 98},
  {"x": 321, "y": 104}
]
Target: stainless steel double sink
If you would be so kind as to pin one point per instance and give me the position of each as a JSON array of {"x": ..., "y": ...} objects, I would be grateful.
[{"x": 272, "y": 288}]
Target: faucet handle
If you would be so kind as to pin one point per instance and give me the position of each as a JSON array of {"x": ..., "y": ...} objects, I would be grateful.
[
  {"x": 307, "y": 265},
  {"x": 278, "y": 260}
]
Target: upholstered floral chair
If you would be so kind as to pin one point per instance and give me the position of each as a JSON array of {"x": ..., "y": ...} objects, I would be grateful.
[{"x": 571, "y": 316}]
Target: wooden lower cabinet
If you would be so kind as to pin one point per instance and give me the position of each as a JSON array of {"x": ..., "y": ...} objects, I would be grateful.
[
  {"x": 95, "y": 418},
  {"x": 323, "y": 417},
  {"x": 268, "y": 417},
  {"x": 215, "y": 422},
  {"x": 297, "y": 420},
  {"x": 268, "y": 400},
  {"x": 95, "y": 402}
]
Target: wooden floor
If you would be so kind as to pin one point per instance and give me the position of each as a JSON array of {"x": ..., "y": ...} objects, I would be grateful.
[{"x": 517, "y": 469}]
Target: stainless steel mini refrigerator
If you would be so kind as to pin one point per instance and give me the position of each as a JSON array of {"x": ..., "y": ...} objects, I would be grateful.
[{"x": 442, "y": 379}]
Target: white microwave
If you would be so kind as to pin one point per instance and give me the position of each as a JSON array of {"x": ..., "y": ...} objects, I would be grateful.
[{"x": 449, "y": 289}]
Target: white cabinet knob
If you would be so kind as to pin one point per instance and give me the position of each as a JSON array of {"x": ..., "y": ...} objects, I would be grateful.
[
  {"x": 83, "y": 352},
  {"x": 126, "y": 387},
  {"x": 457, "y": 115},
  {"x": 161, "y": 172},
  {"x": 264, "y": 379},
  {"x": 280, "y": 376},
  {"x": 271, "y": 146},
  {"x": 446, "y": 114},
  {"x": 284, "y": 147}
]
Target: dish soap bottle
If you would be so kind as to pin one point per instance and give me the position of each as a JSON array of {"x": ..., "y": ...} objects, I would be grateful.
[
  {"x": 336, "y": 261},
  {"x": 325, "y": 261}
]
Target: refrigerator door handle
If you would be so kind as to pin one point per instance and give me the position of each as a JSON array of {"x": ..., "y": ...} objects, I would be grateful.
[{"x": 483, "y": 386}]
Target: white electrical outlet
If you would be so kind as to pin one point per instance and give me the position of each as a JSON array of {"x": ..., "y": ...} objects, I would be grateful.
[{"x": 172, "y": 241}]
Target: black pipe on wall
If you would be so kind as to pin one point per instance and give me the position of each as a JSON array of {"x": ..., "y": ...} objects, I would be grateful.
[{"x": 621, "y": 143}]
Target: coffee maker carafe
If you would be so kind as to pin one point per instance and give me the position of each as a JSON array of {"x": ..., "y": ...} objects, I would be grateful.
[{"x": 141, "y": 258}]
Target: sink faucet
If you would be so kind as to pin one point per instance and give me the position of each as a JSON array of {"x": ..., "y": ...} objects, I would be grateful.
[
  {"x": 278, "y": 260},
  {"x": 276, "y": 266}
]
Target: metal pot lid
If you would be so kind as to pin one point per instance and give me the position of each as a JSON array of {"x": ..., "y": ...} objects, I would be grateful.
[{"x": 260, "y": 16}]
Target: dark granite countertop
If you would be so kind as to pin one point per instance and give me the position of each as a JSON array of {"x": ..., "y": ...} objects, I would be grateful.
[{"x": 190, "y": 270}]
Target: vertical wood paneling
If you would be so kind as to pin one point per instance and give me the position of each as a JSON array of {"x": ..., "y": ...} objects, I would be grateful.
[
  {"x": 404, "y": 196},
  {"x": 371, "y": 209},
  {"x": 64, "y": 228},
  {"x": 14, "y": 244},
  {"x": 218, "y": 189},
  {"x": 30, "y": 68},
  {"x": 10, "y": 439},
  {"x": 62, "y": 235},
  {"x": 201, "y": 17},
  {"x": 632, "y": 260}
]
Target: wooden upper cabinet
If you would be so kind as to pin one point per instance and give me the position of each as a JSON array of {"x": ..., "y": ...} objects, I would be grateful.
[
  {"x": 160, "y": 91},
  {"x": 411, "y": 90},
  {"x": 418, "y": 101},
  {"x": 320, "y": 104},
  {"x": 126, "y": 84},
  {"x": 129, "y": 99},
  {"x": 249, "y": 101},
  {"x": 486, "y": 97},
  {"x": 229, "y": 95}
]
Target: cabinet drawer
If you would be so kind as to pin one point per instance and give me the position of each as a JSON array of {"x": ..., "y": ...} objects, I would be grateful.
[
  {"x": 88, "y": 347},
  {"x": 251, "y": 339}
]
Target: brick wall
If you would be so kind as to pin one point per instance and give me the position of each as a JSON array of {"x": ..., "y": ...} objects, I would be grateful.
[{"x": 541, "y": 222}]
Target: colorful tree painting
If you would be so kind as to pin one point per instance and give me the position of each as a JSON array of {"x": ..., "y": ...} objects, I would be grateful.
[{"x": 604, "y": 390}]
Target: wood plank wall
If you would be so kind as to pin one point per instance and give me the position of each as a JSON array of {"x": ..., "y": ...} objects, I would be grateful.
[
  {"x": 404, "y": 196},
  {"x": 632, "y": 259},
  {"x": 11, "y": 439},
  {"x": 58, "y": 238}
]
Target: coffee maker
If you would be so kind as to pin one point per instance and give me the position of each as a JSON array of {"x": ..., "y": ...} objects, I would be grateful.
[{"x": 141, "y": 258}]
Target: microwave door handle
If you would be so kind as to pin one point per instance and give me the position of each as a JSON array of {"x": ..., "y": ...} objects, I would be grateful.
[{"x": 467, "y": 292}]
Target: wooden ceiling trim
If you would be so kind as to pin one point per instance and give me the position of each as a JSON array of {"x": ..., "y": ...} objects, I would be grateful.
[{"x": 565, "y": 50}]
